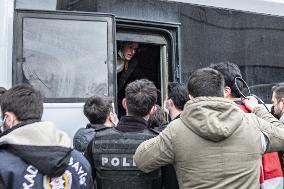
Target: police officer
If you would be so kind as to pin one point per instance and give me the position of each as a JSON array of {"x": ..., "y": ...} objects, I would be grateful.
[{"x": 111, "y": 152}]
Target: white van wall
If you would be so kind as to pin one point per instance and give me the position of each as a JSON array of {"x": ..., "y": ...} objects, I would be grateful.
[
  {"x": 67, "y": 116},
  {"x": 6, "y": 41}
]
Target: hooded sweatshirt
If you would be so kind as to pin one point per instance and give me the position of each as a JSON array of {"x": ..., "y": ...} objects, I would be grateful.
[
  {"x": 38, "y": 155},
  {"x": 214, "y": 144}
]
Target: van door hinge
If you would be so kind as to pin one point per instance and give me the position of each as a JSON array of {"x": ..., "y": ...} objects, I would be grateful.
[
  {"x": 23, "y": 59},
  {"x": 177, "y": 72}
]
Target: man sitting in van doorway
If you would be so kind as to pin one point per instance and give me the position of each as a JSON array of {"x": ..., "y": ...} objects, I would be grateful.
[{"x": 126, "y": 66}]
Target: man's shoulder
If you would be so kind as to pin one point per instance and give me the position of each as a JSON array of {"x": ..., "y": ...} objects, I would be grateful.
[
  {"x": 4, "y": 153},
  {"x": 77, "y": 159},
  {"x": 176, "y": 127},
  {"x": 82, "y": 138},
  {"x": 177, "y": 121},
  {"x": 10, "y": 161},
  {"x": 84, "y": 131}
]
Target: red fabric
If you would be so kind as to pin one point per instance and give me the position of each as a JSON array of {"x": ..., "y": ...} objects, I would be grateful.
[
  {"x": 271, "y": 167},
  {"x": 243, "y": 107}
]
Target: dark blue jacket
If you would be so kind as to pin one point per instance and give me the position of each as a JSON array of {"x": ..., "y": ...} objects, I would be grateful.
[
  {"x": 37, "y": 155},
  {"x": 84, "y": 136}
]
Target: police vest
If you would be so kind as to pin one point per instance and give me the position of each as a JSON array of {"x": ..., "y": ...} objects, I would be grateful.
[{"x": 113, "y": 158}]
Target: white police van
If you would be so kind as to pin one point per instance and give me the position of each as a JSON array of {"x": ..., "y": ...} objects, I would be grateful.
[{"x": 67, "y": 48}]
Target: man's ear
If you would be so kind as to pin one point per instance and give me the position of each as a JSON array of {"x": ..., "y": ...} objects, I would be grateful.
[
  {"x": 10, "y": 119},
  {"x": 282, "y": 101},
  {"x": 124, "y": 103},
  {"x": 227, "y": 92},
  {"x": 171, "y": 103},
  {"x": 153, "y": 110}
]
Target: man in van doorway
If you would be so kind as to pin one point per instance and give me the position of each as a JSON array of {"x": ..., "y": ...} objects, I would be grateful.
[{"x": 126, "y": 69}]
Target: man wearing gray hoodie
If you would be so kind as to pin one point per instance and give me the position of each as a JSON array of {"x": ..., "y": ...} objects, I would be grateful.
[{"x": 214, "y": 144}]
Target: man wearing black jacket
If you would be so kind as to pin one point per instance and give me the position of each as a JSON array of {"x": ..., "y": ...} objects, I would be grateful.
[
  {"x": 99, "y": 111},
  {"x": 111, "y": 152}
]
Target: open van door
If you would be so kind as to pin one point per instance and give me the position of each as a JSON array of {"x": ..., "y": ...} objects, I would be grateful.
[
  {"x": 159, "y": 50},
  {"x": 68, "y": 57}
]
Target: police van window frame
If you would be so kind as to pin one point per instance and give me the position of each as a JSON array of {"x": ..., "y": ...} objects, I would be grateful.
[
  {"x": 167, "y": 35},
  {"x": 17, "y": 55}
]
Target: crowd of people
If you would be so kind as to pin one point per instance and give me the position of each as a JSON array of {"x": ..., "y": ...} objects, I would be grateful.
[{"x": 212, "y": 138}]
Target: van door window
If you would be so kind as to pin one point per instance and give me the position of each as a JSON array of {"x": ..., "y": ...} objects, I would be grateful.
[{"x": 64, "y": 58}]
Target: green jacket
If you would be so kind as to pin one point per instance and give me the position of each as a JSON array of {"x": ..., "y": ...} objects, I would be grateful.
[{"x": 214, "y": 144}]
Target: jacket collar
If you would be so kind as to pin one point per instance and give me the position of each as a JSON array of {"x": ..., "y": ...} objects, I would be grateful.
[
  {"x": 95, "y": 126},
  {"x": 131, "y": 124},
  {"x": 39, "y": 144},
  {"x": 282, "y": 119}
]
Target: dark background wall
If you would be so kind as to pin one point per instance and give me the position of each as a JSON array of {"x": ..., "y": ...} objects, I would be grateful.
[{"x": 210, "y": 35}]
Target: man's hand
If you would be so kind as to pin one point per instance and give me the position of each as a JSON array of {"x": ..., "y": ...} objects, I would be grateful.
[{"x": 250, "y": 102}]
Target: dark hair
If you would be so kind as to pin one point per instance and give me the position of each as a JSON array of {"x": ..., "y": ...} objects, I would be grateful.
[
  {"x": 122, "y": 44},
  {"x": 158, "y": 118},
  {"x": 97, "y": 109},
  {"x": 24, "y": 101},
  {"x": 2, "y": 90},
  {"x": 178, "y": 94},
  {"x": 206, "y": 82},
  {"x": 278, "y": 91},
  {"x": 230, "y": 71},
  {"x": 141, "y": 96}
]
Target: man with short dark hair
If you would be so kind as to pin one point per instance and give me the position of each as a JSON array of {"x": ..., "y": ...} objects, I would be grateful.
[
  {"x": 99, "y": 111},
  {"x": 176, "y": 99},
  {"x": 158, "y": 119},
  {"x": 277, "y": 101},
  {"x": 34, "y": 153},
  {"x": 2, "y": 90},
  {"x": 230, "y": 72},
  {"x": 177, "y": 96},
  {"x": 271, "y": 176},
  {"x": 111, "y": 152},
  {"x": 277, "y": 110},
  {"x": 214, "y": 144}
]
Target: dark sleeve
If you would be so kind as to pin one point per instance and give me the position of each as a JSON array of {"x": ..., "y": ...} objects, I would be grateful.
[
  {"x": 82, "y": 138},
  {"x": 2, "y": 186},
  {"x": 89, "y": 156}
]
